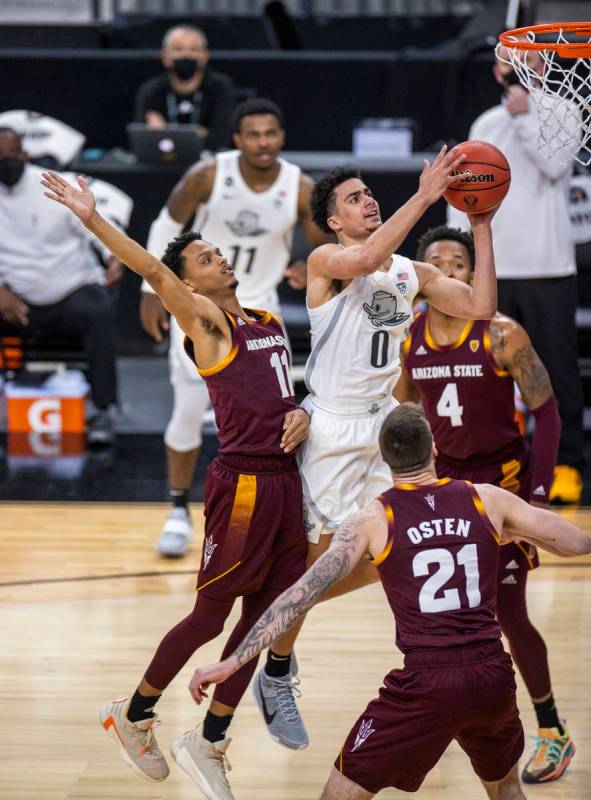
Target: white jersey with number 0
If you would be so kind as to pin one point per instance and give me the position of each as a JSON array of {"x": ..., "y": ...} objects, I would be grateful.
[
  {"x": 254, "y": 230},
  {"x": 356, "y": 337}
]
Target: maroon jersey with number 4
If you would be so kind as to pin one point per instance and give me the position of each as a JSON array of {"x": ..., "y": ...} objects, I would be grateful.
[
  {"x": 439, "y": 567},
  {"x": 251, "y": 388},
  {"x": 468, "y": 400}
]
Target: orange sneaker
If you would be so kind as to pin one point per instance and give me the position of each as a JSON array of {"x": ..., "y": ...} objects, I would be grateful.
[
  {"x": 552, "y": 755},
  {"x": 567, "y": 486}
]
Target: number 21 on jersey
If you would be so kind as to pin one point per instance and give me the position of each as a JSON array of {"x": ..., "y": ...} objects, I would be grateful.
[{"x": 449, "y": 599}]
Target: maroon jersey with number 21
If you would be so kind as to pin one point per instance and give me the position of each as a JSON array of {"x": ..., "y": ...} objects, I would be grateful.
[
  {"x": 439, "y": 567},
  {"x": 251, "y": 389}
]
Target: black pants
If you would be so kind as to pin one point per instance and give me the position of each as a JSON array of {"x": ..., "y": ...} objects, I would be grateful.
[
  {"x": 87, "y": 313},
  {"x": 546, "y": 308}
]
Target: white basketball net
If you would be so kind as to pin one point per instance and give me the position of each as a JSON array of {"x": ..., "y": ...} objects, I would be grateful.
[{"x": 560, "y": 89}]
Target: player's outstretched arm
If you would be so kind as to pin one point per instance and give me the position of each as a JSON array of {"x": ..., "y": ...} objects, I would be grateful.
[
  {"x": 186, "y": 307},
  {"x": 520, "y": 520},
  {"x": 458, "y": 299},
  {"x": 193, "y": 188},
  {"x": 332, "y": 261},
  {"x": 349, "y": 544}
]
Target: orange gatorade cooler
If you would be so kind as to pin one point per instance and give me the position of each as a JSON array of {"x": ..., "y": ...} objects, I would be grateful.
[{"x": 55, "y": 405}]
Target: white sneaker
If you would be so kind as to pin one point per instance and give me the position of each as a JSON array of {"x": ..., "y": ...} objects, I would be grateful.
[
  {"x": 205, "y": 763},
  {"x": 176, "y": 534},
  {"x": 137, "y": 743}
]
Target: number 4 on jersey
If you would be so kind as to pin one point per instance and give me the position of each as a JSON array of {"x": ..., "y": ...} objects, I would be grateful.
[{"x": 448, "y": 405}]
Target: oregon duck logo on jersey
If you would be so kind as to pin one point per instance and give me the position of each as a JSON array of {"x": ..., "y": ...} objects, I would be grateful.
[
  {"x": 384, "y": 310},
  {"x": 246, "y": 224}
]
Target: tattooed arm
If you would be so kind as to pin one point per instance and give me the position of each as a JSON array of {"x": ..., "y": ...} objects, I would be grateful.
[
  {"x": 365, "y": 530},
  {"x": 513, "y": 351}
]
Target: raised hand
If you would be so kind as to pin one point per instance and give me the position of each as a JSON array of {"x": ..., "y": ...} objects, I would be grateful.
[
  {"x": 436, "y": 177},
  {"x": 80, "y": 201}
]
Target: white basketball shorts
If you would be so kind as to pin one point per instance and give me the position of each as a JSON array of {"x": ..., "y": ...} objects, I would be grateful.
[{"x": 340, "y": 463}]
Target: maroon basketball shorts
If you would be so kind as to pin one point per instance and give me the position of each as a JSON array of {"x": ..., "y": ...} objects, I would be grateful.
[
  {"x": 462, "y": 693},
  {"x": 254, "y": 530},
  {"x": 514, "y": 475}
]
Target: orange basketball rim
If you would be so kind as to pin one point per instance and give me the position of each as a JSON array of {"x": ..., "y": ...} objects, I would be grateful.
[{"x": 565, "y": 49}]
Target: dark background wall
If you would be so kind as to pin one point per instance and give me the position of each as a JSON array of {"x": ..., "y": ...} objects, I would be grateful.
[{"x": 323, "y": 94}]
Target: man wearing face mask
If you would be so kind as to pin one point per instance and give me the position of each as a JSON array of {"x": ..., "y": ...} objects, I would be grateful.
[
  {"x": 50, "y": 280},
  {"x": 188, "y": 92},
  {"x": 535, "y": 256}
]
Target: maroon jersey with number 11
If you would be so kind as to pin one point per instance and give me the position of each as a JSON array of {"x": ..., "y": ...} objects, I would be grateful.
[
  {"x": 439, "y": 567},
  {"x": 251, "y": 388}
]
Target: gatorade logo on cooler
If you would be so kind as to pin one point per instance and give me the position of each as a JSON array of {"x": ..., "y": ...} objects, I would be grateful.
[{"x": 45, "y": 415}]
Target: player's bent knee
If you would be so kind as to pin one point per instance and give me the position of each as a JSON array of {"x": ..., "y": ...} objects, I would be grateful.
[
  {"x": 183, "y": 432},
  {"x": 339, "y": 787}
]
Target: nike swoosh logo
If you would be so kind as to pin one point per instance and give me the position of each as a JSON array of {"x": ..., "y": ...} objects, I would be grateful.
[{"x": 268, "y": 717}]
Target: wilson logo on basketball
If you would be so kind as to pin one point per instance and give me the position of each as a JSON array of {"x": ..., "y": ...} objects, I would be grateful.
[{"x": 483, "y": 177}]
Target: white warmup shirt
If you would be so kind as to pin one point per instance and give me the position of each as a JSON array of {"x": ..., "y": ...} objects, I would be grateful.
[
  {"x": 44, "y": 249},
  {"x": 532, "y": 233},
  {"x": 254, "y": 230},
  {"x": 356, "y": 336}
]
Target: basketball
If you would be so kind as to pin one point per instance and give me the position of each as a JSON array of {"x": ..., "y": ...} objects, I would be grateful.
[{"x": 488, "y": 182}]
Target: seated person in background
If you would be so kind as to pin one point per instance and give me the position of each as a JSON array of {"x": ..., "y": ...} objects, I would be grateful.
[
  {"x": 188, "y": 92},
  {"x": 51, "y": 281}
]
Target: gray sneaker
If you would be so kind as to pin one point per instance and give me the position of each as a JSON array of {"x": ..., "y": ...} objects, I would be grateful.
[
  {"x": 205, "y": 763},
  {"x": 275, "y": 698},
  {"x": 176, "y": 534},
  {"x": 137, "y": 743}
]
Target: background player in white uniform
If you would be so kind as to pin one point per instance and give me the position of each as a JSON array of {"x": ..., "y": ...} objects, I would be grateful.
[
  {"x": 359, "y": 298},
  {"x": 247, "y": 201}
]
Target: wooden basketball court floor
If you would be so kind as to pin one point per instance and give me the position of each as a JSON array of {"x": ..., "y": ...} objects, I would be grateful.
[{"x": 84, "y": 600}]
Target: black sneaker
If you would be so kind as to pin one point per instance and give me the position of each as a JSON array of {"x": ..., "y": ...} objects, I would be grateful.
[{"x": 101, "y": 432}]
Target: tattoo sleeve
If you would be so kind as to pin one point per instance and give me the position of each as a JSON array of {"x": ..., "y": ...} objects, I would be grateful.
[
  {"x": 333, "y": 565},
  {"x": 531, "y": 376}
]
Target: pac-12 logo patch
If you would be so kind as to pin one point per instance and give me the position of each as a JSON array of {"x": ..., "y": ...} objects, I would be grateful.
[
  {"x": 363, "y": 734},
  {"x": 474, "y": 345},
  {"x": 384, "y": 310}
]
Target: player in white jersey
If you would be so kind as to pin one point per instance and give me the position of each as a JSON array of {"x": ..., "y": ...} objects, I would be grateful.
[
  {"x": 360, "y": 296},
  {"x": 247, "y": 201}
]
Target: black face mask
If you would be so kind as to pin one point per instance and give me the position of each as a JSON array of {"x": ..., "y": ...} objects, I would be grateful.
[
  {"x": 186, "y": 68},
  {"x": 11, "y": 170},
  {"x": 510, "y": 79}
]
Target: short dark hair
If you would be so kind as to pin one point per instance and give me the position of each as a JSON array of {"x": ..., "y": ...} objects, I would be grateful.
[
  {"x": 323, "y": 197},
  {"x": 256, "y": 105},
  {"x": 406, "y": 439},
  {"x": 444, "y": 232},
  {"x": 172, "y": 257},
  {"x": 5, "y": 130}
]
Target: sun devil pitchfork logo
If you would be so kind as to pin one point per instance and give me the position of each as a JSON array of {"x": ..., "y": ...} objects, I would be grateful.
[
  {"x": 208, "y": 549},
  {"x": 364, "y": 732}
]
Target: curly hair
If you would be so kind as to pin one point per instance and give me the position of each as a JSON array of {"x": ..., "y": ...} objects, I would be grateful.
[
  {"x": 442, "y": 232},
  {"x": 256, "y": 105},
  {"x": 172, "y": 257},
  {"x": 323, "y": 194}
]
